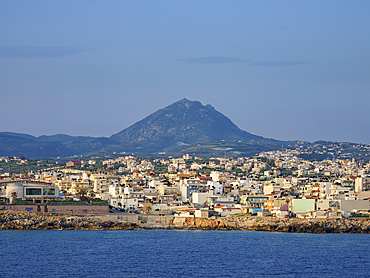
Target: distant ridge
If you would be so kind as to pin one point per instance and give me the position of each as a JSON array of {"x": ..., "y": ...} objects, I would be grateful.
[{"x": 170, "y": 129}]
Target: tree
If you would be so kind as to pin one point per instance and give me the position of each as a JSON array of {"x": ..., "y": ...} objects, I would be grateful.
[
  {"x": 14, "y": 196},
  {"x": 82, "y": 195}
]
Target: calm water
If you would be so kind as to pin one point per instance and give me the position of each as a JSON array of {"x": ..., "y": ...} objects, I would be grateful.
[{"x": 166, "y": 253}]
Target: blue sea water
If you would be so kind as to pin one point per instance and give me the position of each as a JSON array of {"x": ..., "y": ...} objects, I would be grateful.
[{"x": 180, "y": 253}]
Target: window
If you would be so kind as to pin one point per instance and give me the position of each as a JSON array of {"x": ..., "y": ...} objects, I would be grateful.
[
  {"x": 48, "y": 191},
  {"x": 33, "y": 191}
]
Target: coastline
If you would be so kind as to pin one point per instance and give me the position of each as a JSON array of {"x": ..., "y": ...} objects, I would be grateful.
[
  {"x": 10, "y": 220},
  {"x": 291, "y": 225}
]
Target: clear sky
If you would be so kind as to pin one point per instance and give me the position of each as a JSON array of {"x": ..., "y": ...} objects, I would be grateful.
[{"x": 290, "y": 70}]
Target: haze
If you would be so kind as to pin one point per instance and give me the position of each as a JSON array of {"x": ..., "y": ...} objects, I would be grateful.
[{"x": 280, "y": 69}]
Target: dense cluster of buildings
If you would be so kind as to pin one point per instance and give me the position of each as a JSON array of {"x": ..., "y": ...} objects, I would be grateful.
[{"x": 276, "y": 183}]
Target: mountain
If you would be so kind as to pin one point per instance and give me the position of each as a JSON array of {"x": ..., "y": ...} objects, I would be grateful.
[
  {"x": 183, "y": 123},
  {"x": 178, "y": 126},
  {"x": 28, "y": 145}
]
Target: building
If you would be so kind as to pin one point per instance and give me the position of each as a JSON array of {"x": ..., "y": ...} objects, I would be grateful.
[
  {"x": 73, "y": 163},
  {"x": 27, "y": 190}
]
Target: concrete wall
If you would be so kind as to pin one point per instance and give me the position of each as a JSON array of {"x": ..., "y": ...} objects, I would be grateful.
[
  {"x": 57, "y": 209},
  {"x": 30, "y": 208},
  {"x": 78, "y": 209},
  {"x": 141, "y": 219}
]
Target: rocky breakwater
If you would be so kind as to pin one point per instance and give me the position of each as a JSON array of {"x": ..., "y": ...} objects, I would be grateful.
[
  {"x": 299, "y": 225},
  {"x": 206, "y": 224},
  {"x": 42, "y": 221},
  {"x": 313, "y": 226},
  {"x": 280, "y": 225}
]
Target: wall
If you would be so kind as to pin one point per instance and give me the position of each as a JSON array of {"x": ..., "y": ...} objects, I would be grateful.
[
  {"x": 141, "y": 219},
  {"x": 58, "y": 209}
]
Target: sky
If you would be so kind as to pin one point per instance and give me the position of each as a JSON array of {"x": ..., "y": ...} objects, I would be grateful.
[{"x": 288, "y": 70}]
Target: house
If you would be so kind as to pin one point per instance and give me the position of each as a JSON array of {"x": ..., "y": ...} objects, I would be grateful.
[
  {"x": 217, "y": 200},
  {"x": 272, "y": 204},
  {"x": 253, "y": 200},
  {"x": 130, "y": 203},
  {"x": 201, "y": 197},
  {"x": 282, "y": 211},
  {"x": 216, "y": 186},
  {"x": 73, "y": 163},
  {"x": 205, "y": 213},
  {"x": 165, "y": 199},
  {"x": 304, "y": 205},
  {"x": 225, "y": 210}
]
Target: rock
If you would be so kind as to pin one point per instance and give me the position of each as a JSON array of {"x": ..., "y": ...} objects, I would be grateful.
[{"x": 15, "y": 220}]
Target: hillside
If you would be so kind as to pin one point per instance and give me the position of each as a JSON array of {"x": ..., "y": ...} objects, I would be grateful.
[
  {"x": 180, "y": 125},
  {"x": 172, "y": 129}
]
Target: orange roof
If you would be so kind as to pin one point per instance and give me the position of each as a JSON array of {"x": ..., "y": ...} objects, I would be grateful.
[{"x": 231, "y": 208}]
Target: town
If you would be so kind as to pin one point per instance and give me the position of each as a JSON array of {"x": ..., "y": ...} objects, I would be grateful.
[{"x": 271, "y": 184}]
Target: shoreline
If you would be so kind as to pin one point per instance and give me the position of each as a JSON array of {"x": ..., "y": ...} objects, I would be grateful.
[
  {"x": 281, "y": 225},
  {"x": 11, "y": 220}
]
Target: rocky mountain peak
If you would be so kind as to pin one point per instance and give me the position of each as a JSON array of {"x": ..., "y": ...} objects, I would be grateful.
[{"x": 182, "y": 122}]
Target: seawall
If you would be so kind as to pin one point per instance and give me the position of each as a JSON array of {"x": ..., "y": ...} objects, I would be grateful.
[
  {"x": 61, "y": 208},
  {"x": 11, "y": 220}
]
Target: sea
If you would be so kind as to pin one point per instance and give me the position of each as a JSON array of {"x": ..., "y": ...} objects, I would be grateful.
[{"x": 181, "y": 253}]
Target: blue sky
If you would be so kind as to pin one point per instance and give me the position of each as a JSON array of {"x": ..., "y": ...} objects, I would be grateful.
[{"x": 290, "y": 70}]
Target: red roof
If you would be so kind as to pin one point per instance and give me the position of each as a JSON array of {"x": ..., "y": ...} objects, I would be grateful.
[{"x": 183, "y": 175}]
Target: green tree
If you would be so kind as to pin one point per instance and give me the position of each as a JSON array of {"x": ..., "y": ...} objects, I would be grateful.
[
  {"x": 82, "y": 195},
  {"x": 14, "y": 196}
]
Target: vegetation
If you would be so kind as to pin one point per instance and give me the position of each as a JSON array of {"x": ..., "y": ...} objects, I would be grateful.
[{"x": 33, "y": 166}]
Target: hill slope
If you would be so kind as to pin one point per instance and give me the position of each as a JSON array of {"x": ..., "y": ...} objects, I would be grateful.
[
  {"x": 180, "y": 124},
  {"x": 171, "y": 129}
]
